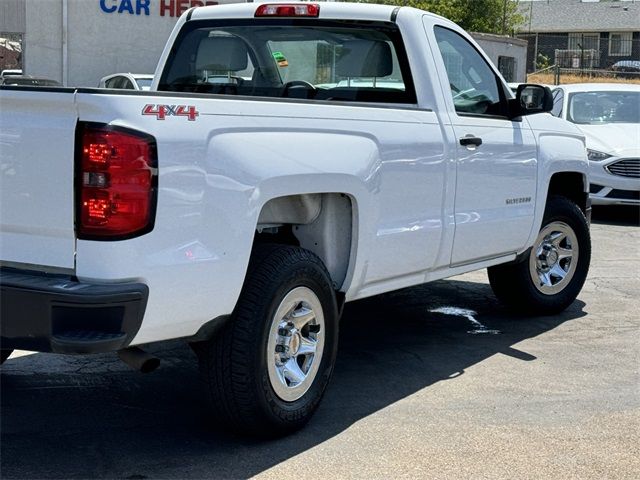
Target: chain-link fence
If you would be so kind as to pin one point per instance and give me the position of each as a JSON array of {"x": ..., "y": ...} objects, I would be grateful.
[
  {"x": 596, "y": 56},
  {"x": 555, "y": 75}
]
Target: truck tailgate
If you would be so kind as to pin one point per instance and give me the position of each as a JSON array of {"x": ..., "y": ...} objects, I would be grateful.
[{"x": 37, "y": 135}]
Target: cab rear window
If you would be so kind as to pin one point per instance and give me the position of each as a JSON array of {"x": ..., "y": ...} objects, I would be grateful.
[{"x": 305, "y": 59}]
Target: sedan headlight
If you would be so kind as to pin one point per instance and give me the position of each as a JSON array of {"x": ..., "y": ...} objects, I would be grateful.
[{"x": 596, "y": 156}]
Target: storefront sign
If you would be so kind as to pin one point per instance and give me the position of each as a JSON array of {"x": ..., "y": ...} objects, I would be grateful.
[{"x": 168, "y": 8}]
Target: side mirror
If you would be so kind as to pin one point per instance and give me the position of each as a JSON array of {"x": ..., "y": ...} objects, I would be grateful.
[{"x": 531, "y": 99}]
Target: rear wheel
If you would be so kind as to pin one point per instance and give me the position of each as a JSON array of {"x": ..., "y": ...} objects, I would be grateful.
[
  {"x": 266, "y": 371},
  {"x": 549, "y": 278}
]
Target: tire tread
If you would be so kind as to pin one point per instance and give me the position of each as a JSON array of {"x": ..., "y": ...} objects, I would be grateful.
[
  {"x": 512, "y": 284},
  {"x": 228, "y": 373}
]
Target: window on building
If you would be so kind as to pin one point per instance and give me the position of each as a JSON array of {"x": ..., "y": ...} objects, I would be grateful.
[
  {"x": 620, "y": 44},
  {"x": 583, "y": 51},
  {"x": 584, "y": 41},
  {"x": 507, "y": 67}
]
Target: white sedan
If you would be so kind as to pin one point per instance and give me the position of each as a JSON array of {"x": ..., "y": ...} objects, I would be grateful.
[
  {"x": 127, "y": 81},
  {"x": 609, "y": 116}
]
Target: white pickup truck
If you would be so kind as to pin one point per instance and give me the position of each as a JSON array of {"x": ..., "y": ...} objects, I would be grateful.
[{"x": 289, "y": 158}]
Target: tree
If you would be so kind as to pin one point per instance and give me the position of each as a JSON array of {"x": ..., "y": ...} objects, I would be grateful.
[{"x": 486, "y": 16}]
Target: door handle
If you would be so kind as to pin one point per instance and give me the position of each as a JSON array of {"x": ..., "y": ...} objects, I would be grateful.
[{"x": 470, "y": 140}]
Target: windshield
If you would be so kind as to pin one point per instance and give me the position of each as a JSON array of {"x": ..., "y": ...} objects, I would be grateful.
[
  {"x": 317, "y": 60},
  {"x": 604, "y": 107}
]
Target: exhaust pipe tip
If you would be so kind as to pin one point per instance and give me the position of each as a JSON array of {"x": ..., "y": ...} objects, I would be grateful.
[
  {"x": 150, "y": 365},
  {"x": 138, "y": 359}
]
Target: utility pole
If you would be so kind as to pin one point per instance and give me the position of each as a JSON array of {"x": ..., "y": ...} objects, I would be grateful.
[{"x": 504, "y": 17}]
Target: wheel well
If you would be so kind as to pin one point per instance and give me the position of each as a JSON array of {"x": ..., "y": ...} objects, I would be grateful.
[
  {"x": 321, "y": 223},
  {"x": 570, "y": 185}
]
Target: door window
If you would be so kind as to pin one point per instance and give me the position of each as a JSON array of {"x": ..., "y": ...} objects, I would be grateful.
[{"x": 474, "y": 85}]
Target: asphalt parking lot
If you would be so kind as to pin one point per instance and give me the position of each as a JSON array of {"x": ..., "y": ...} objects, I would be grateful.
[{"x": 416, "y": 394}]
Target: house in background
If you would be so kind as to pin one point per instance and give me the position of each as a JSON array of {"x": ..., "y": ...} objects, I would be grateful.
[{"x": 581, "y": 33}]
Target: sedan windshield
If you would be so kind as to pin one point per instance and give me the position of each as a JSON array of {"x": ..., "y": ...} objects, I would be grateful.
[{"x": 604, "y": 107}]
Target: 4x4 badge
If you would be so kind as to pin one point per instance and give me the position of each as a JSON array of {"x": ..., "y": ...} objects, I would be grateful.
[{"x": 161, "y": 112}]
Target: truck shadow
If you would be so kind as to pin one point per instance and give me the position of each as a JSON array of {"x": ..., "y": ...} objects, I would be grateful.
[
  {"x": 626, "y": 215},
  {"x": 92, "y": 417}
]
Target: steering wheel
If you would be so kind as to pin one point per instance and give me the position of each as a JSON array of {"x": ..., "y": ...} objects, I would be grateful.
[{"x": 310, "y": 90}]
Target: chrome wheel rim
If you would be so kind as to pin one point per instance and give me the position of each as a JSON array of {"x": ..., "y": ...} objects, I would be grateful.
[
  {"x": 296, "y": 344},
  {"x": 554, "y": 258}
]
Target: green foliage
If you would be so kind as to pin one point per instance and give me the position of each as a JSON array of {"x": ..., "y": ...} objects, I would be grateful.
[
  {"x": 543, "y": 61},
  {"x": 486, "y": 16}
]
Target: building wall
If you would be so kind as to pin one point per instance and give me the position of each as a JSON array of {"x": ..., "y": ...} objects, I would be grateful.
[
  {"x": 103, "y": 43},
  {"x": 42, "y": 42},
  {"x": 496, "y": 46},
  {"x": 12, "y": 16},
  {"x": 12, "y": 27},
  {"x": 98, "y": 42},
  {"x": 531, "y": 50}
]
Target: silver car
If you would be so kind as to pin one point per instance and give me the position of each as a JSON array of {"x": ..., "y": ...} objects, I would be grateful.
[
  {"x": 127, "y": 81},
  {"x": 609, "y": 116}
]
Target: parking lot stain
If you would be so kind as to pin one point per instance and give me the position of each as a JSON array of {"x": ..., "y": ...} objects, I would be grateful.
[{"x": 479, "y": 328}]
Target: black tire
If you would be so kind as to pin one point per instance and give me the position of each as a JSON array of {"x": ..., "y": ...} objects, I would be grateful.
[
  {"x": 4, "y": 354},
  {"x": 513, "y": 283},
  {"x": 233, "y": 364}
]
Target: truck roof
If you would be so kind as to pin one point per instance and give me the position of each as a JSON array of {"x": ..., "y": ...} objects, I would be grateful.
[{"x": 328, "y": 10}]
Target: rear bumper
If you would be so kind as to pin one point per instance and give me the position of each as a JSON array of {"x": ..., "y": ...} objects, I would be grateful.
[{"x": 55, "y": 313}]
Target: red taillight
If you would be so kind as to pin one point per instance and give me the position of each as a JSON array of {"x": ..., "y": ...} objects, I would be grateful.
[
  {"x": 117, "y": 183},
  {"x": 278, "y": 10}
]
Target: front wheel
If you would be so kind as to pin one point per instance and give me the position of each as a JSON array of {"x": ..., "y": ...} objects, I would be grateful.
[
  {"x": 550, "y": 277},
  {"x": 266, "y": 371}
]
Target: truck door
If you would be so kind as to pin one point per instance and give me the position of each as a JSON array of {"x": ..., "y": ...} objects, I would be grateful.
[{"x": 496, "y": 156}]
